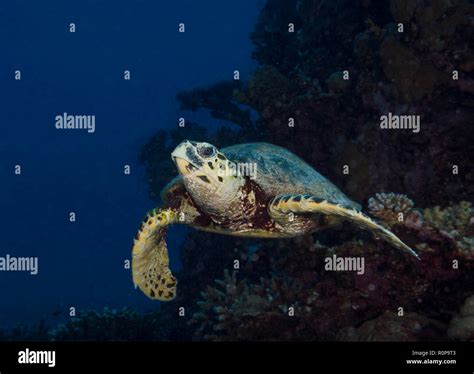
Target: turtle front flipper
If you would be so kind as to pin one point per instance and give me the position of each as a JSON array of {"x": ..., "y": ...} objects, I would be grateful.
[
  {"x": 285, "y": 204},
  {"x": 150, "y": 262}
]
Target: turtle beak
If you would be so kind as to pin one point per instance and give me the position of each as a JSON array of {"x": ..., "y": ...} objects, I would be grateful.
[
  {"x": 180, "y": 158},
  {"x": 184, "y": 167}
]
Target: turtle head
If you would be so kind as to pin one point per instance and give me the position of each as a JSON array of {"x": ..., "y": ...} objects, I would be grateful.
[{"x": 207, "y": 175}]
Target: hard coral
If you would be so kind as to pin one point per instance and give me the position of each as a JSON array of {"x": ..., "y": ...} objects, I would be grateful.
[
  {"x": 457, "y": 217},
  {"x": 391, "y": 208},
  {"x": 227, "y": 308}
]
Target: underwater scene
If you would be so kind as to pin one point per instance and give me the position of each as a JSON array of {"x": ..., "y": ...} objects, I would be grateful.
[{"x": 252, "y": 170}]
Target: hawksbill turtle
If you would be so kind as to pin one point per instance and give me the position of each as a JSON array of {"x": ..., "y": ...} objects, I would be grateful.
[{"x": 285, "y": 198}]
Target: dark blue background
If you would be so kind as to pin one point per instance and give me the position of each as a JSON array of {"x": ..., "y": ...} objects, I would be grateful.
[{"x": 81, "y": 263}]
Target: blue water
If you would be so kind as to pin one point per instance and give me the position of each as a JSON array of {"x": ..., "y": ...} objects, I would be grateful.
[{"x": 63, "y": 171}]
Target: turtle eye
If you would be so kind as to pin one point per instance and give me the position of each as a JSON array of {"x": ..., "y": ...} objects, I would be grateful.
[{"x": 206, "y": 151}]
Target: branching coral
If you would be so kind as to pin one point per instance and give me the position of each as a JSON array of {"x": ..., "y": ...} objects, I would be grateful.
[
  {"x": 219, "y": 99},
  {"x": 391, "y": 208},
  {"x": 457, "y": 222},
  {"x": 456, "y": 217},
  {"x": 233, "y": 310}
]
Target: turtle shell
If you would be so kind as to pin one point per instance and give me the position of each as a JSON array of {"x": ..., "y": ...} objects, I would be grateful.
[{"x": 281, "y": 172}]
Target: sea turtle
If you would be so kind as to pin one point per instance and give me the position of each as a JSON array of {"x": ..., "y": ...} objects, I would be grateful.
[{"x": 249, "y": 190}]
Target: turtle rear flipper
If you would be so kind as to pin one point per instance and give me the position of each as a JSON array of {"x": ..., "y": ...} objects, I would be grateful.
[
  {"x": 150, "y": 262},
  {"x": 284, "y": 204}
]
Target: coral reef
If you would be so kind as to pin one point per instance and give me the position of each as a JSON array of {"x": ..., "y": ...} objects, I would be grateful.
[
  {"x": 399, "y": 57},
  {"x": 292, "y": 275}
]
